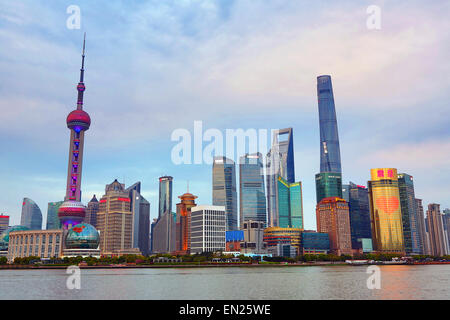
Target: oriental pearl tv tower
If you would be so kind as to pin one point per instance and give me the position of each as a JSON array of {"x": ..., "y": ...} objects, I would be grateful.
[{"x": 72, "y": 211}]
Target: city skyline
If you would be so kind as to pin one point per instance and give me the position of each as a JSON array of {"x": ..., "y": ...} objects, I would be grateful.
[{"x": 422, "y": 132}]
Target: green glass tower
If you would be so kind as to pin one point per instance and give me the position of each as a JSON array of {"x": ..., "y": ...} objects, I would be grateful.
[
  {"x": 53, "y": 221},
  {"x": 290, "y": 204},
  {"x": 328, "y": 184}
]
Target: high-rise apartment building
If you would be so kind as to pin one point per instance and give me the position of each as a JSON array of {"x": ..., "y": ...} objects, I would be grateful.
[
  {"x": 165, "y": 195},
  {"x": 289, "y": 204},
  {"x": 91, "y": 212},
  {"x": 332, "y": 215},
  {"x": 115, "y": 220},
  {"x": 183, "y": 223},
  {"x": 357, "y": 197},
  {"x": 252, "y": 195},
  {"x": 438, "y": 241},
  {"x": 421, "y": 226},
  {"x": 224, "y": 189},
  {"x": 385, "y": 211},
  {"x": 208, "y": 228},
  {"x": 279, "y": 163},
  {"x": 411, "y": 231},
  {"x": 53, "y": 221},
  {"x": 31, "y": 215}
]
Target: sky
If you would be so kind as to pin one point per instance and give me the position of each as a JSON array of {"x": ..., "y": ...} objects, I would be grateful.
[{"x": 156, "y": 66}]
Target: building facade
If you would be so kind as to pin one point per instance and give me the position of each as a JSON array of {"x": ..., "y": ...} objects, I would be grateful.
[
  {"x": 359, "y": 209},
  {"x": 332, "y": 215},
  {"x": 31, "y": 215},
  {"x": 446, "y": 222},
  {"x": 208, "y": 229},
  {"x": 183, "y": 223},
  {"x": 252, "y": 195},
  {"x": 224, "y": 189},
  {"x": 421, "y": 225},
  {"x": 289, "y": 204},
  {"x": 164, "y": 234},
  {"x": 165, "y": 195},
  {"x": 438, "y": 241},
  {"x": 385, "y": 211},
  {"x": 4, "y": 223},
  {"x": 39, "y": 243},
  {"x": 312, "y": 242},
  {"x": 53, "y": 221},
  {"x": 91, "y": 212},
  {"x": 115, "y": 220},
  {"x": 233, "y": 240},
  {"x": 328, "y": 185},
  {"x": 253, "y": 237},
  {"x": 411, "y": 231},
  {"x": 274, "y": 236},
  {"x": 140, "y": 208},
  {"x": 279, "y": 163}
]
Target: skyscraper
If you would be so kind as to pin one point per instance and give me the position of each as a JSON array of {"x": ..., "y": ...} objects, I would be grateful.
[
  {"x": 72, "y": 211},
  {"x": 421, "y": 226},
  {"x": 330, "y": 155},
  {"x": 53, "y": 221},
  {"x": 91, "y": 212},
  {"x": 411, "y": 232},
  {"x": 183, "y": 223},
  {"x": 359, "y": 209},
  {"x": 438, "y": 243},
  {"x": 115, "y": 220},
  {"x": 332, "y": 216},
  {"x": 165, "y": 195},
  {"x": 31, "y": 215},
  {"x": 224, "y": 189},
  {"x": 252, "y": 195},
  {"x": 280, "y": 163},
  {"x": 329, "y": 180},
  {"x": 289, "y": 204},
  {"x": 140, "y": 208},
  {"x": 385, "y": 211}
]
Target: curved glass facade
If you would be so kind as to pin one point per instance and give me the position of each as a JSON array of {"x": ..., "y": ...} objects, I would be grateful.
[
  {"x": 31, "y": 215},
  {"x": 330, "y": 156}
]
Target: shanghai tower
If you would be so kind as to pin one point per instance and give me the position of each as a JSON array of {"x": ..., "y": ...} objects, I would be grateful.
[
  {"x": 72, "y": 211},
  {"x": 329, "y": 180}
]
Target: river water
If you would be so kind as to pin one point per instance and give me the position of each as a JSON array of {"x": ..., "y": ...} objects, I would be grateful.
[{"x": 232, "y": 283}]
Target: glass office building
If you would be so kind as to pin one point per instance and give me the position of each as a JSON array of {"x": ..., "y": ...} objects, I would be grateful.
[
  {"x": 289, "y": 204},
  {"x": 252, "y": 195},
  {"x": 280, "y": 163},
  {"x": 359, "y": 209},
  {"x": 385, "y": 211},
  {"x": 329, "y": 180},
  {"x": 31, "y": 215},
  {"x": 224, "y": 189},
  {"x": 314, "y": 242},
  {"x": 165, "y": 195},
  {"x": 53, "y": 221},
  {"x": 330, "y": 156},
  {"x": 328, "y": 184},
  {"x": 411, "y": 230}
]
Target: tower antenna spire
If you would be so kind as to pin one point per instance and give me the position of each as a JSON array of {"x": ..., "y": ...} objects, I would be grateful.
[{"x": 82, "y": 60}]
